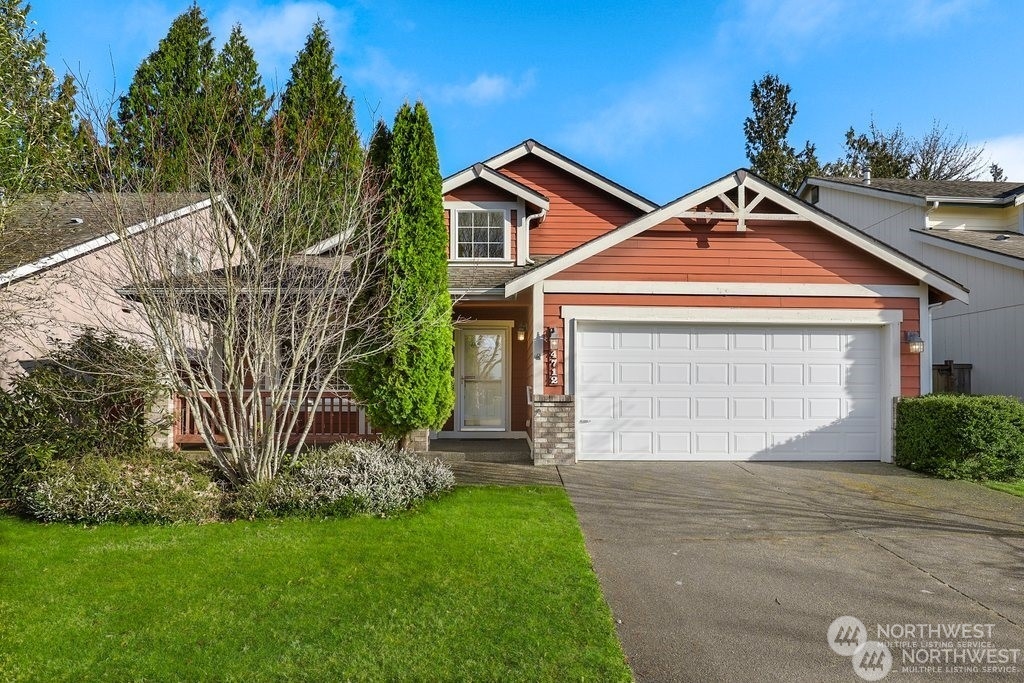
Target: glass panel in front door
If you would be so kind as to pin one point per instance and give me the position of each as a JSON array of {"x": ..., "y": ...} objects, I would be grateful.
[{"x": 483, "y": 379}]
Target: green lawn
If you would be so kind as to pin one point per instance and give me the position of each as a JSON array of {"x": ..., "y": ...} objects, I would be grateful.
[
  {"x": 486, "y": 584},
  {"x": 1014, "y": 487}
]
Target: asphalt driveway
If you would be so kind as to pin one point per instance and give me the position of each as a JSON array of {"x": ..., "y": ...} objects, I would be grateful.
[{"x": 734, "y": 571}]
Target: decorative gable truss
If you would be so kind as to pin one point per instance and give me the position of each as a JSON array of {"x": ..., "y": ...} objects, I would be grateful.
[{"x": 731, "y": 203}]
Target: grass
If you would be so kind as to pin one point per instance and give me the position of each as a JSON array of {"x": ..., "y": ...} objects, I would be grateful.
[
  {"x": 486, "y": 584},
  {"x": 1013, "y": 487}
]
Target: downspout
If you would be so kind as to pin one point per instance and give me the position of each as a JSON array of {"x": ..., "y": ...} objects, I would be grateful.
[{"x": 526, "y": 225}]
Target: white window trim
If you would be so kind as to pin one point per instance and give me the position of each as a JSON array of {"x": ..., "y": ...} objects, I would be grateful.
[
  {"x": 453, "y": 224},
  {"x": 888, "y": 319}
]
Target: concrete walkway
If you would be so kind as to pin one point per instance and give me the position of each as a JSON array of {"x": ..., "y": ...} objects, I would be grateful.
[
  {"x": 501, "y": 462},
  {"x": 734, "y": 571}
]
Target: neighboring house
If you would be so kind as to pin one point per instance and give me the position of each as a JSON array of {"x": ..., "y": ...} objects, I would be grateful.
[
  {"x": 971, "y": 231},
  {"x": 734, "y": 323},
  {"x": 61, "y": 264}
]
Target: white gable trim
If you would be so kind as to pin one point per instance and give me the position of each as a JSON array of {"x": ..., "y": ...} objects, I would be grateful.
[
  {"x": 739, "y": 178},
  {"x": 541, "y": 152},
  {"x": 56, "y": 259},
  {"x": 864, "y": 190},
  {"x": 500, "y": 180}
]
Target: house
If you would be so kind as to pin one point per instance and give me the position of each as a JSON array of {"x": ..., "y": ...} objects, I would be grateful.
[
  {"x": 734, "y": 323},
  {"x": 971, "y": 231},
  {"x": 61, "y": 263}
]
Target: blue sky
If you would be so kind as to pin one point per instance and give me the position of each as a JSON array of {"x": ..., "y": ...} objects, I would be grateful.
[{"x": 651, "y": 94}]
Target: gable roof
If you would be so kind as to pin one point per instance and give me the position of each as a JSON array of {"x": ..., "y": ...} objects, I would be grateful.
[
  {"x": 44, "y": 231},
  {"x": 945, "y": 191},
  {"x": 742, "y": 178},
  {"x": 498, "y": 179},
  {"x": 532, "y": 147}
]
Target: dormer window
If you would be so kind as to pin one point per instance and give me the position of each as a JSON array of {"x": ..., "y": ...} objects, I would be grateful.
[{"x": 481, "y": 234}]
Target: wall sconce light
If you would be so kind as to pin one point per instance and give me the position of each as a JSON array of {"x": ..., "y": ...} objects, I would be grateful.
[
  {"x": 553, "y": 339},
  {"x": 521, "y": 333},
  {"x": 914, "y": 342}
]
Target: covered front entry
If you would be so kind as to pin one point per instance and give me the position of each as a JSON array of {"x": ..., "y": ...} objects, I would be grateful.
[
  {"x": 682, "y": 391},
  {"x": 482, "y": 378}
]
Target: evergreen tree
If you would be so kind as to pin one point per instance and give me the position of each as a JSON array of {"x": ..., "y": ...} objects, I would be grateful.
[
  {"x": 409, "y": 385},
  {"x": 36, "y": 115},
  {"x": 767, "y": 132},
  {"x": 167, "y": 108},
  {"x": 316, "y": 121},
  {"x": 237, "y": 91}
]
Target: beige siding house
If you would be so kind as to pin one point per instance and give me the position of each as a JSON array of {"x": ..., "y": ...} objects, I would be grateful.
[
  {"x": 61, "y": 265},
  {"x": 971, "y": 231}
]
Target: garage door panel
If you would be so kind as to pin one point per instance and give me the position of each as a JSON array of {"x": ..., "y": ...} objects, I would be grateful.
[
  {"x": 635, "y": 373},
  {"x": 711, "y": 373},
  {"x": 671, "y": 407},
  {"x": 673, "y": 373},
  {"x": 637, "y": 407},
  {"x": 689, "y": 392},
  {"x": 636, "y": 443}
]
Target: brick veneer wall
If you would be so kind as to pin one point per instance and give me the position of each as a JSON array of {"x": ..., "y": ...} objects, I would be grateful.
[{"x": 554, "y": 430}]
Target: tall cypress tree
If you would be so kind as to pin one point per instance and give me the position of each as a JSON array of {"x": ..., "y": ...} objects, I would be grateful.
[
  {"x": 409, "y": 385},
  {"x": 241, "y": 101},
  {"x": 316, "y": 121},
  {"x": 167, "y": 108}
]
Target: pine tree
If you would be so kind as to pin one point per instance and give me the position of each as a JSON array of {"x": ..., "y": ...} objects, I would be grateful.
[
  {"x": 409, "y": 385},
  {"x": 167, "y": 108},
  {"x": 36, "y": 115},
  {"x": 767, "y": 132},
  {"x": 316, "y": 121}
]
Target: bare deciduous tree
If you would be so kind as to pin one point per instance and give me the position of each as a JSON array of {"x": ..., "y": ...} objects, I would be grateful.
[{"x": 252, "y": 327}]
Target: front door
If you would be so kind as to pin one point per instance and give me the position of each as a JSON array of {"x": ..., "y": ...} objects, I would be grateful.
[{"x": 483, "y": 388}]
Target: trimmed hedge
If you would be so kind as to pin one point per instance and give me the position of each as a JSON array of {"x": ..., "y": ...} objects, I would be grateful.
[{"x": 961, "y": 437}]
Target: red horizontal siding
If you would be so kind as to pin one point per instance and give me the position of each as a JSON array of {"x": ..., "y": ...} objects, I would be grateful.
[
  {"x": 578, "y": 213},
  {"x": 791, "y": 252},
  {"x": 479, "y": 191},
  {"x": 910, "y": 368}
]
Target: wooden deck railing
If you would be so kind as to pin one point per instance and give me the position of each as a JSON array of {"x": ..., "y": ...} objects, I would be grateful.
[{"x": 336, "y": 418}]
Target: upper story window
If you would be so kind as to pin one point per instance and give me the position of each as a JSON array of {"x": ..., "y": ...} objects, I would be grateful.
[{"x": 480, "y": 234}]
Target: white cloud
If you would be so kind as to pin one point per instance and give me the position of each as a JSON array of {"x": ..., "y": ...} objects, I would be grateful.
[
  {"x": 668, "y": 103},
  {"x": 277, "y": 31},
  {"x": 788, "y": 27},
  {"x": 1008, "y": 152},
  {"x": 379, "y": 72},
  {"x": 487, "y": 89}
]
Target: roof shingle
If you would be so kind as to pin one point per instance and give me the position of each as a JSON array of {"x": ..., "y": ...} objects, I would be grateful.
[
  {"x": 40, "y": 226},
  {"x": 974, "y": 189}
]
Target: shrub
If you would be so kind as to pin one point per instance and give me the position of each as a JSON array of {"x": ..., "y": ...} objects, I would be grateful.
[
  {"x": 385, "y": 480},
  {"x": 961, "y": 437},
  {"x": 158, "y": 487},
  {"x": 366, "y": 477},
  {"x": 93, "y": 395}
]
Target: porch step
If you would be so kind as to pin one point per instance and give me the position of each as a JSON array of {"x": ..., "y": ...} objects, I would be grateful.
[
  {"x": 480, "y": 450},
  {"x": 447, "y": 457}
]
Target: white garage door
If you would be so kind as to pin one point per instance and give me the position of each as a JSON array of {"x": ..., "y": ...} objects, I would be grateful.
[{"x": 689, "y": 392}]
